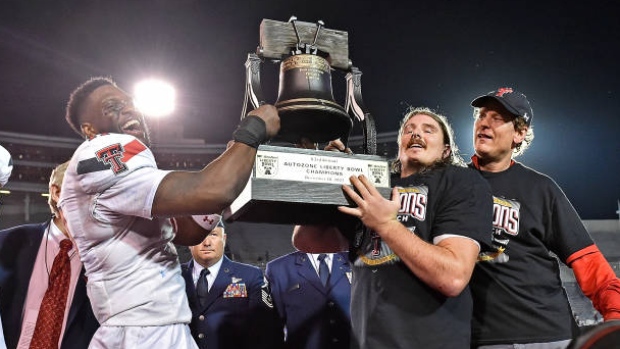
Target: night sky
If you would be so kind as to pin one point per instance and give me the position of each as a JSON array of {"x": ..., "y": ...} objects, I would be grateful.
[{"x": 440, "y": 54}]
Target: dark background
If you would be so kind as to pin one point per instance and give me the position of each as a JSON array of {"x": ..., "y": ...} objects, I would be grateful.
[{"x": 441, "y": 54}]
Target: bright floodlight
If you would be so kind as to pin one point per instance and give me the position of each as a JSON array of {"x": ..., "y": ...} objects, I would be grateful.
[{"x": 154, "y": 97}]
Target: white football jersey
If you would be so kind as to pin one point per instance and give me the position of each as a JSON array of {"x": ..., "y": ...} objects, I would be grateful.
[{"x": 133, "y": 271}]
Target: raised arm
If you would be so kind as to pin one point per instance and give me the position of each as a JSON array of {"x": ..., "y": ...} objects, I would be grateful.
[
  {"x": 215, "y": 187},
  {"x": 212, "y": 189}
]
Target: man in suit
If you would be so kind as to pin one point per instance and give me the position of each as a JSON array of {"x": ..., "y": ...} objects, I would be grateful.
[
  {"x": 27, "y": 253},
  {"x": 313, "y": 315},
  {"x": 230, "y": 301}
]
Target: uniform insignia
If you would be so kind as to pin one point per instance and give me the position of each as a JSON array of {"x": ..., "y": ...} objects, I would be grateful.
[
  {"x": 235, "y": 280},
  {"x": 236, "y": 290},
  {"x": 265, "y": 293}
]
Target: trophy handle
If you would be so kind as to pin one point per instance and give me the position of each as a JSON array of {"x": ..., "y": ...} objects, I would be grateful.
[
  {"x": 354, "y": 105},
  {"x": 253, "y": 91}
]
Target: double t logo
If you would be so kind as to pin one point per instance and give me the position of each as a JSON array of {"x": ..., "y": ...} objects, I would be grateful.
[
  {"x": 112, "y": 155},
  {"x": 502, "y": 91}
]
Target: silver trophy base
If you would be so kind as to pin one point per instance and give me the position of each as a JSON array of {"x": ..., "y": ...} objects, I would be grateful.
[{"x": 302, "y": 186}]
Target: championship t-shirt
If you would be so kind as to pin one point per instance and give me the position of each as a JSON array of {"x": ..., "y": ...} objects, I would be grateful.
[
  {"x": 518, "y": 293},
  {"x": 390, "y": 306}
]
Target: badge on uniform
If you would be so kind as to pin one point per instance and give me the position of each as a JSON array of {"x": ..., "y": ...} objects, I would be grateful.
[{"x": 236, "y": 289}]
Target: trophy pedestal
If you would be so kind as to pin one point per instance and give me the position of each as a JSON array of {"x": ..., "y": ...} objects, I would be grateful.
[{"x": 302, "y": 186}]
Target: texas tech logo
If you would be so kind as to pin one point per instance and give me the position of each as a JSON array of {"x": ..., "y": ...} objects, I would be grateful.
[
  {"x": 112, "y": 156},
  {"x": 413, "y": 203},
  {"x": 502, "y": 91},
  {"x": 374, "y": 251}
]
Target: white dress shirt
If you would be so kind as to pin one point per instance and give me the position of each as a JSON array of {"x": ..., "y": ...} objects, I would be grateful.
[
  {"x": 314, "y": 260},
  {"x": 213, "y": 270}
]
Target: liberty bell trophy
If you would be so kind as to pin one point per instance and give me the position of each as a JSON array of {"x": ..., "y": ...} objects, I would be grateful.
[{"x": 291, "y": 184}]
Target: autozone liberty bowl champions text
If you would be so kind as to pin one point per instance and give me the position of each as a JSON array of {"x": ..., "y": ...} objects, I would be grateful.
[{"x": 319, "y": 169}]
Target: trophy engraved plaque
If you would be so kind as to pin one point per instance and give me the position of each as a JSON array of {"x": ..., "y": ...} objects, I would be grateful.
[{"x": 293, "y": 185}]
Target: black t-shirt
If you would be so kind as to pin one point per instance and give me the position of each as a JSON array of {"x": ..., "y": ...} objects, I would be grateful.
[
  {"x": 390, "y": 306},
  {"x": 518, "y": 294}
]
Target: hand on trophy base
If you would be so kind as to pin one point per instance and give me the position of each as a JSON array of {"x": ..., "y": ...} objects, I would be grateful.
[
  {"x": 338, "y": 145},
  {"x": 304, "y": 186}
]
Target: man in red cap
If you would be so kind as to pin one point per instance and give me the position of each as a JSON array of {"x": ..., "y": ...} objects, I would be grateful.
[{"x": 518, "y": 294}]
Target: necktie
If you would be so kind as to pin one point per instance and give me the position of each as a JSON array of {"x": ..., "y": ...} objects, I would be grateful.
[
  {"x": 323, "y": 269},
  {"x": 52, "y": 311},
  {"x": 202, "y": 287}
]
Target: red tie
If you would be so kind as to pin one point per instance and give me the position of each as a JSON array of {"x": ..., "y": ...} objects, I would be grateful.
[{"x": 52, "y": 311}]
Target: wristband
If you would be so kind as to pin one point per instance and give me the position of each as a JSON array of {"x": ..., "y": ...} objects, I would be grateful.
[
  {"x": 251, "y": 131},
  {"x": 207, "y": 221}
]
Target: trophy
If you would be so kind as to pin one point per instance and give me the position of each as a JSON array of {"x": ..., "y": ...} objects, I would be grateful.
[{"x": 292, "y": 184}]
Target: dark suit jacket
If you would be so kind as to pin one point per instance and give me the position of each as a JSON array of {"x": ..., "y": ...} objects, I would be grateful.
[
  {"x": 233, "y": 318},
  {"x": 18, "y": 252},
  {"x": 315, "y": 316}
]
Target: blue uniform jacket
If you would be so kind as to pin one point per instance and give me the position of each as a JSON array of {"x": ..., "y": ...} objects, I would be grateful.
[
  {"x": 238, "y": 313},
  {"x": 18, "y": 252},
  {"x": 315, "y": 316}
]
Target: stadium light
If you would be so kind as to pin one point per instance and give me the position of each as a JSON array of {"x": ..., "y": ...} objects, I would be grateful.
[{"x": 155, "y": 98}]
